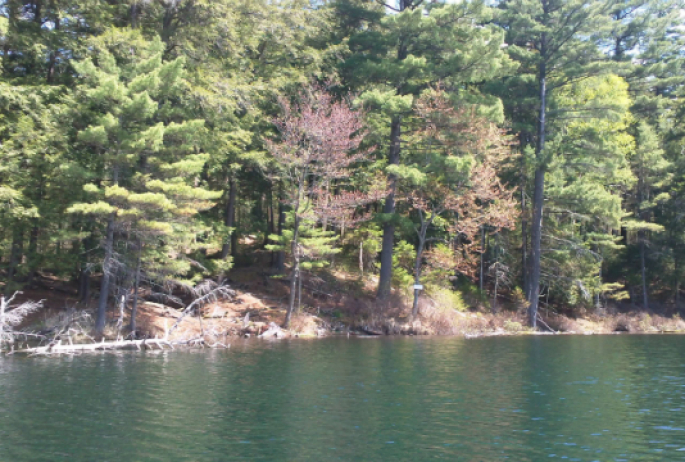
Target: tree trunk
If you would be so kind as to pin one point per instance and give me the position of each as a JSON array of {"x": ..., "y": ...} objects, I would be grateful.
[
  {"x": 229, "y": 220},
  {"x": 269, "y": 217},
  {"x": 134, "y": 15},
  {"x": 52, "y": 62},
  {"x": 106, "y": 270},
  {"x": 299, "y": 291},
  {"x": 272, "y": 213},
  {"x": 234, "y": 234},
  {"x": 295, "y": 273},
  {"x": 361, "y": 258},
  {"x": 536, "y": 238},
  {"x": 494, "y": 296},
  {"x": 645, "y": 296},
  {"x": 524, "y": 244},
  {"x": 385, "y": 278},
  {"x": 417, "y": 270},
  {"x": 279, "y": 263},
  {"x": 167, "y": 21},
  {"x": 16, "y": 255},
  {"x": 598, "y": 303},
  {"x": 11, "y": 6},
  {"x": 33, "y": 254},
  {"x": 84, "y": 285},
  {"x": 84, "y": 276},
  {"x": 482, "y": 258},
  {"x": 38, "y": 12},
  {"x": 676, "y": 285},
  {"x": 538, "y": 195},
  {"x": 136, "y": 286}
]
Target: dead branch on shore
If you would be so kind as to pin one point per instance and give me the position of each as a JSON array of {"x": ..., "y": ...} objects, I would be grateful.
[
  {"x": 274, "y": 330},
  {"x": 545, "y": 324},
  {"x": 208, "y": 294},
  {"x": 12, "y": 316},
  {"x": 58, "y": 347}
]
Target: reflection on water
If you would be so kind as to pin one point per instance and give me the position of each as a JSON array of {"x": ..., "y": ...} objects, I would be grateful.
[{"x": 528, "y": 398}]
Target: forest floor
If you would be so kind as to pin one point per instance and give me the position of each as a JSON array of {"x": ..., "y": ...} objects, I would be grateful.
[{"x": 332, "y": 303}]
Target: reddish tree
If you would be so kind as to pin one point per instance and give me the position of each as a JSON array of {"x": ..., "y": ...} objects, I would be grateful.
[
  {"x": 454, "y": 179},
  {"x": 318, "y": 145}
]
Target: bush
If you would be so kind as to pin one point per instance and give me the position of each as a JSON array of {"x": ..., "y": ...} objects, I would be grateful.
[
  {"x": 472, "y": 295},
  {"x": 446, "y": 298},
  {"x": 513, "y": 326},
  {"x": 403, "y": 259}
]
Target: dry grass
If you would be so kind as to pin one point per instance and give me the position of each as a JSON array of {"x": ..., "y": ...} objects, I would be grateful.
[
  {"x": 305, "y": 325},
  {"x": 643, "y": 323}
]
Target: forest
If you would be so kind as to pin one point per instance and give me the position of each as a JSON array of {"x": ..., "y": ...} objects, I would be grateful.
[{"x": 508, "y": 155}]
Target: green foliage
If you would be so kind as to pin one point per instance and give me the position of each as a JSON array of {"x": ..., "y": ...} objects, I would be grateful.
[
  {"x": 150, "y": 152},
  {"x": 315, "y": 243},
  {"x": 145, "y": 114},
  {"x": 368, "y": 236},
  {"x": 403, "y": 265},
  {"x": 513, "y": 326},
  {"x": 446, "y": 298}
]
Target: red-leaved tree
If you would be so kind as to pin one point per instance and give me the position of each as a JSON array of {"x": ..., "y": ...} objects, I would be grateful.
[
  {"x": 451, "y": 181},
  {"x": 318, "y": 143}
]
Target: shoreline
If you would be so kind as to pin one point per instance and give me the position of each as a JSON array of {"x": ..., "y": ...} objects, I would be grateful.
[
  {"x": 258, "y": 311},
  {"x": 159, "y": 345}
]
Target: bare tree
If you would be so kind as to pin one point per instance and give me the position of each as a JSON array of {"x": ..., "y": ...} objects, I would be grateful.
[{"x": 11, "y": 316}]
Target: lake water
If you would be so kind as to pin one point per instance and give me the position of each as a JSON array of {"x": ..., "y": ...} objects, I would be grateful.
[{"x": 605, "y": 398}]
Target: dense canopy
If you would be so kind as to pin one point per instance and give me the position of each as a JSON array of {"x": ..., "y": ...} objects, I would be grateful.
[{"x": 522, "y": 149}]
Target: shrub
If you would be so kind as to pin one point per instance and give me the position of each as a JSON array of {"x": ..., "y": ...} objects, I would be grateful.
[
  {"x": 446, "y": 298},
  {"x": 513, "y": 326}
]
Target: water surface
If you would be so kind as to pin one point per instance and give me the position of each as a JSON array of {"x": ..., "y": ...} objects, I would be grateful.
[{"x": 604, "y": 398}]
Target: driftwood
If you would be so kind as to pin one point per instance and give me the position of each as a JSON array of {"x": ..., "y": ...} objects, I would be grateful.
[
  {"x": 212, "y": 296},
  {"x": 57, "y": 348},
  {"x": 200, "y": 342},
  {"x": 545, "y": 324},
  {"x": 274, "y": 330}
]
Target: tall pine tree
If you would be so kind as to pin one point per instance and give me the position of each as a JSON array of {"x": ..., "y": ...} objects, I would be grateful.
[
  {"x": 147, "y": 151},
  {"x": 397, "y": 52},
  {"x": 556, "y": 42}
]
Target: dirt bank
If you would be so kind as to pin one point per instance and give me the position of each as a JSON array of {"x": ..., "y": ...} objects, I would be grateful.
[{"x": 327, "y": 307}]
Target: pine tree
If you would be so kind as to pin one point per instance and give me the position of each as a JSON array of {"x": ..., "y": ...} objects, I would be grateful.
[
  {"x": 651, "y": 170},
  {"x": 656, "y": 72},
  {"x": 589, "y": 171},
  {"x": 147, "y": 152},
  {"x": 556, "y": 42},
  {"x": 15, "y": 208},
  {"x": 394, "y": 57},
  {"x": 649, "y": 41}
]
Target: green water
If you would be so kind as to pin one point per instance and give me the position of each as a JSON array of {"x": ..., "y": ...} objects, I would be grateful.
[{"x": 530, "y": 398}]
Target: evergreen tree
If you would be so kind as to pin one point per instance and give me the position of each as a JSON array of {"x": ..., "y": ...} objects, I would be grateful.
[
  {"x": 393, "y": 57},
  {"x": 556, "y": 42},
  {"x": 449, "y": 179},
  {"x": 651, "y": 170},
  {"x": 589, "y": 171},
  {"x": 148, "y": 154}
]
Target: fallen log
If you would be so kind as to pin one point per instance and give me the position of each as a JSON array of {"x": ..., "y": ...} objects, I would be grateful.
[{"x": 56, "y": 348}]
